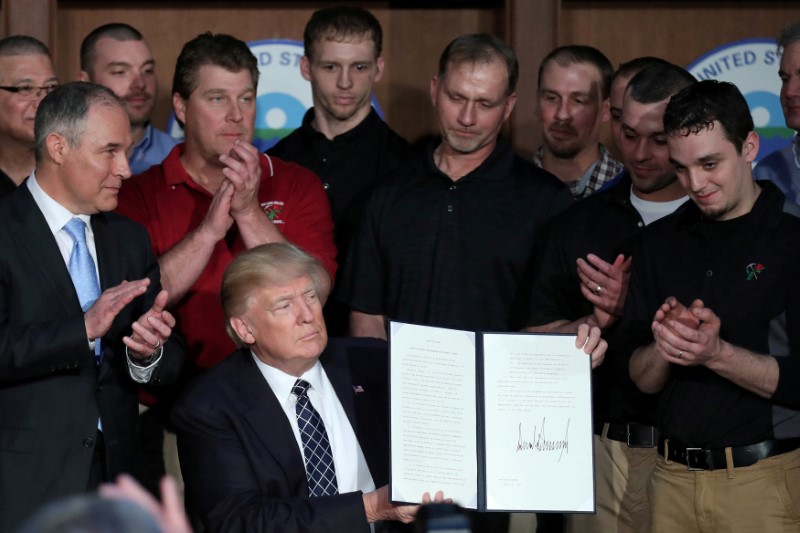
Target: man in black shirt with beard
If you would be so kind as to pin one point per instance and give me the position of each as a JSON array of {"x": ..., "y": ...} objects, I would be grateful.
[
  {"x": 712, "y": 321},
  {"x": 445, "y": 241},
  {"x": 583, "y": 278}
]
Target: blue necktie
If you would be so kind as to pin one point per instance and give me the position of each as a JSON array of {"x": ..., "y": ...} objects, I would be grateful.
[
  {"x": 317, "y": 452},
  {"x": 83, "y": 273}
]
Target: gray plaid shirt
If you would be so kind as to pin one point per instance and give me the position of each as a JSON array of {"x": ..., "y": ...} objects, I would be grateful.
[{"x": 604, "y": 169}]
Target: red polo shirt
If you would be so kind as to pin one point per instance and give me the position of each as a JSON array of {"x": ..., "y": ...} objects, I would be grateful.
[{"x": 167, "y": 201}]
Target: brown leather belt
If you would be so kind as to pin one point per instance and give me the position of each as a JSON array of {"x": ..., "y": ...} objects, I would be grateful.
[{"x": 704, "y": 459}]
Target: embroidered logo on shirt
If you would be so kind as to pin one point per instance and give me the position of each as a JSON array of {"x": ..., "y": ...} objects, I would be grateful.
[
  {"x": 273, "y": 210},
  {"x": 753, "y": 270}
]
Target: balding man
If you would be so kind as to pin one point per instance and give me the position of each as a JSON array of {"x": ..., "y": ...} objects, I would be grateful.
[{"x": 26, "y": 76}]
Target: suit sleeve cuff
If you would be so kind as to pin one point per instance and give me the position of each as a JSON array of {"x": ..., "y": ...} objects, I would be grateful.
[{"x": 142, "y": 371}]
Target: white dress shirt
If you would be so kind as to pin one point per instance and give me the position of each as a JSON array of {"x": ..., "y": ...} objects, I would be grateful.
[
  {"x": 56, "y": 216},
  {"x": 352, "y": 472}
]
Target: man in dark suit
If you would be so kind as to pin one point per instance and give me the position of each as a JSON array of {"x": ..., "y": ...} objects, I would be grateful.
[
  {"x": 70, "y": 356},
  {"x": 246, "y": 428}
]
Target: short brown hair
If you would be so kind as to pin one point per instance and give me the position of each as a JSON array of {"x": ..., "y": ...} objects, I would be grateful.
[
  {"x": 339, "y": 23},
  {"x": 22, "y": 45},
  {"x": 116, "y": 30},
  {"x": 480, "y": 48},
  {"x": 207, "y": 48},
  {"x": 580, "y": 54}
]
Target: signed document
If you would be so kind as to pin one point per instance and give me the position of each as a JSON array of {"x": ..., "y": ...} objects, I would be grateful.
[{"x": 498, "y": 421}]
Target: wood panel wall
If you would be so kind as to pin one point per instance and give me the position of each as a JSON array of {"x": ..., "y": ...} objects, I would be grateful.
[
  {"x": 415, "y": 32},
  {"x": 678, "y": 31},
  {"x": 411, "y": 46}
]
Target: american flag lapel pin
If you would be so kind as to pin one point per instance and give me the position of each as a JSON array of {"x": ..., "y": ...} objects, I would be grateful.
[{"x": 358, "y": 389}]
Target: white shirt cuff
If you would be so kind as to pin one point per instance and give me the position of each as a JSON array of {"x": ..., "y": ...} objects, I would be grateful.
[{"x": 142, "y": 374}]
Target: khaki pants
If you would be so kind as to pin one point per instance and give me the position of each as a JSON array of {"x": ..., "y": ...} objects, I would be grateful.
[
  {"x": 168, "y": 452},
  {"x": 758, "y": 498},
  {"x": 621, "y": 478}
]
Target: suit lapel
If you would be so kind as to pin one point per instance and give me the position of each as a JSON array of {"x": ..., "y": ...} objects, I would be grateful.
[
  {"x": 268, "y": 421},
  {"x": 35, "y": 239},
  {"x": 358, "y": 370},
  {"x": 110, "y": 271},
  {"x": 334, "y": 361},
  {"x": 107, "y": 247}
]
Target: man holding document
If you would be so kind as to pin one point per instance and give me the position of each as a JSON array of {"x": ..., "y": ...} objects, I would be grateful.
[
  {"x": 289, "y": 432},
  {"x": 446, "y": 240}
]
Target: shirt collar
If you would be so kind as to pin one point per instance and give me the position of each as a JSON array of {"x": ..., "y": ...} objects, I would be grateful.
[
  {"x": 766, "y": 211},
  {"x": 496, "y": 167},
  {"x": 362, "y": 129},
  {"x": 600, "y": 172},
  {"x": 146, "y": 141},
  {"x": 281, "y": 383},
  {"x": 174, "y": 173},
  {"x": 54, "y": 213}
]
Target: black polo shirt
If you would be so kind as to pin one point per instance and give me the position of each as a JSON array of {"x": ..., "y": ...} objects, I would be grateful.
[
  {"x": 348, "y": 165},
  {"x": 745, "y": 270},
  {"x": 434, "y": 251},
  {"x": 602, "y": 224},
  {"x": 7, "y": 185}
]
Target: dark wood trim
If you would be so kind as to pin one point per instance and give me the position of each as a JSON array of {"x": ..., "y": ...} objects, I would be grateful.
[
  {"x": 532, "y": 30},
  {"x": 30, "y": 17}
]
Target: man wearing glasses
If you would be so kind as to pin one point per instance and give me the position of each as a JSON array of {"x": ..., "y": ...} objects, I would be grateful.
[{"x": 26, "y": 76}]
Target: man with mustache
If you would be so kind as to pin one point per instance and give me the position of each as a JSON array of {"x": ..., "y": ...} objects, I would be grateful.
[
  {"x": 428, "y": 247},
  {"x": 782, "y": 167},
  {"x": 26, "y": 76},
  {"x": 583, "y": 279},
  {"x": 573, "y": 105},
  {"x": 117, "y": 56},
  {"x": 446, "y": 240}
]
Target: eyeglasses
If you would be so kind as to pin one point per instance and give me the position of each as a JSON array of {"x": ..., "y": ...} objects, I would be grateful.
[{"x": 30, "y": 91}]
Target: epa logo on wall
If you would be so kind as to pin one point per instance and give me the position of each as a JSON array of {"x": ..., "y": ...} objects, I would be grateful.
[
  {"x": 751, "y": 65},
  {"x": 283, "y": 96}
]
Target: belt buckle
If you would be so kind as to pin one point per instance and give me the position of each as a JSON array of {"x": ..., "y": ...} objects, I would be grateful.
[
  {"x": 695, "y": 457},
  {"x": 650, "y": 444}
]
